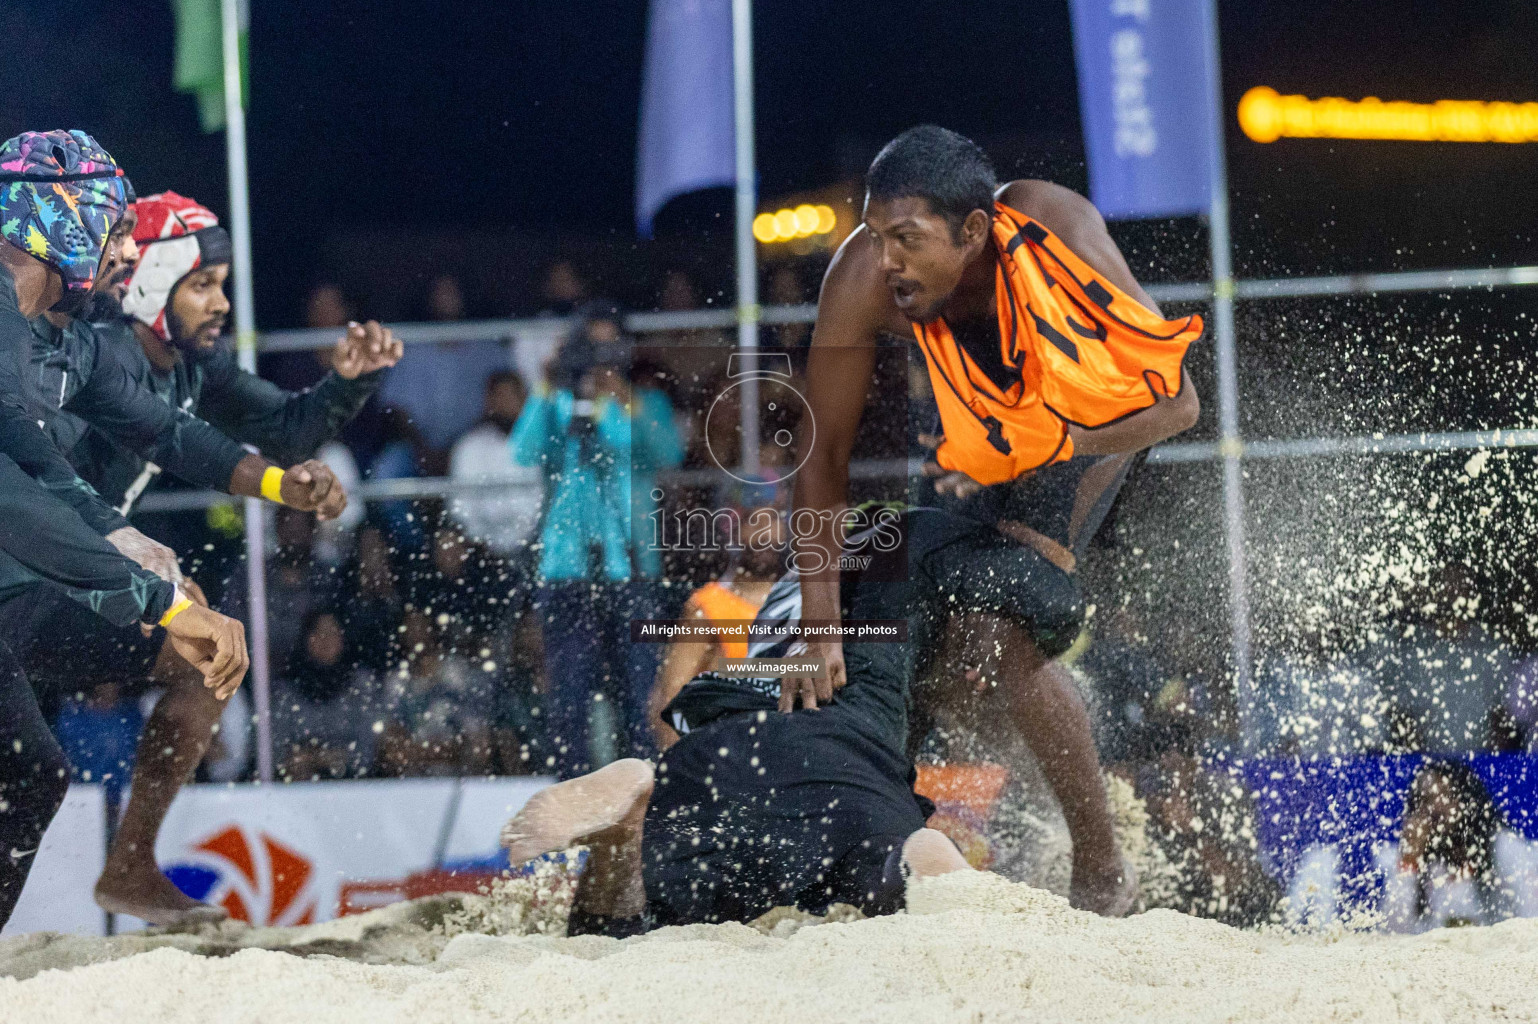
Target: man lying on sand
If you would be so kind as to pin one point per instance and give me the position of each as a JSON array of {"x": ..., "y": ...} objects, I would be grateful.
[{"x": 756, "y": 808}]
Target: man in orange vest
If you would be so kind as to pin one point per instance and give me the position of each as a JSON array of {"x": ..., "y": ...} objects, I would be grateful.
[{"x": 1051, "y": 368}]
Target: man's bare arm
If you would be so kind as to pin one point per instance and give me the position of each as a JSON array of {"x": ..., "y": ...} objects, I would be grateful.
[
  {"x": 840, "y": 363},
  {"x": 684, "y": 660},
  {"x": 1159, "y": 422}
]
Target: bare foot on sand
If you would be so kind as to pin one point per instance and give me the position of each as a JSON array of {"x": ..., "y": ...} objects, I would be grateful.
[
  {"x": 559, "y": 815},
  {"x": 1109, "y": 893},
  {"x": 604, "y": 811},
  {"x": 139, "y": 889}
]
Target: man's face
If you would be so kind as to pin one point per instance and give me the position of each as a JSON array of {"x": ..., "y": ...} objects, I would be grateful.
[
  {"x": 198, "y": 308},
  {"x": 119, "y": 256},
  {"x": 325, "y": 642},
  {"x": 921, "y": 258},
  {"x": 504, "y": 401}
]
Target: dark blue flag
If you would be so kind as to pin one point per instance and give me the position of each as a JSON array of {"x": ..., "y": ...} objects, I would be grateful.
[
  {"x": 1149, "y": 123},
  {"x": 686, "y": 138}
]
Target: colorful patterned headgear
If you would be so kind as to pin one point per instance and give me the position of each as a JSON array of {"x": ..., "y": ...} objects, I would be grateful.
[
  {"x": 176, "y": 236},
  {"x": 60, "y": 195}
]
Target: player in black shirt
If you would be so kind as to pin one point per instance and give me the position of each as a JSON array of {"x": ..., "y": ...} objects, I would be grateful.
[
  {"x": 166, "y": 363},
  {"x": 60, "y": 196},
  {"x": 169, "y": 339},
  {"x": 754, "y": 807}
]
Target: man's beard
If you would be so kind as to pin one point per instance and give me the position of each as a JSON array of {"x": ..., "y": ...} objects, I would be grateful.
[
  {"x": 104, "y": 301},
  {"x": 192, "y": 341},
  {"x": 101, "y": 307},
  {"x": 114, "y": 283}
]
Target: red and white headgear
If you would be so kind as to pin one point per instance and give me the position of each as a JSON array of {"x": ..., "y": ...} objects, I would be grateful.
[{"x": 176, "y": 236}]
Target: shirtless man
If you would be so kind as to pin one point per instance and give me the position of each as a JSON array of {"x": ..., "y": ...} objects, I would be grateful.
[
  {"x": 753, "y": 808},
  {"x": 938, "y": 257}
]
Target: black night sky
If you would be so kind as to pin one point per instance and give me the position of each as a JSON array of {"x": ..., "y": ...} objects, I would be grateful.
[{"x": 516, "y": 121}]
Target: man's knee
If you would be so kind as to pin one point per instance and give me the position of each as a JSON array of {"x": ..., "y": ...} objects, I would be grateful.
[{"x": 930, "y": 852}]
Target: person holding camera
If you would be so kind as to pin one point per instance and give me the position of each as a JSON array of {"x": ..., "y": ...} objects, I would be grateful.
[{"x": 598, "y": 439}]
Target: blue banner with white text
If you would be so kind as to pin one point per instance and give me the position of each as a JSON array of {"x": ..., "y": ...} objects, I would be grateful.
[{"x": 1149, "y": 121}]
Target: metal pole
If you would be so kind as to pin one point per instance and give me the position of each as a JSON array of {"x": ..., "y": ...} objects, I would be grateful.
[
  {"x": 1230, "y": 446},
  {"x": 747, "y": 203},
  {"x": 245, "y": 339}
]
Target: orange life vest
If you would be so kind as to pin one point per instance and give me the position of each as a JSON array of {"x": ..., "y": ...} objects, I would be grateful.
[
  {"x": 717, "y": 603},
  {"x": 1074, "y": 349}
]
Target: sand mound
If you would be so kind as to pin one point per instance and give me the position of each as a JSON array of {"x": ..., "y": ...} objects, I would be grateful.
[
  {"x": 973, "y": 947},
  {"x": 536, "y": 903}
]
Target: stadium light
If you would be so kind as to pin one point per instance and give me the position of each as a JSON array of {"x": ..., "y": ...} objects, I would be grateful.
[
  {"x": 1265, "y": 116},
  {"x": 791, "y": 223}
]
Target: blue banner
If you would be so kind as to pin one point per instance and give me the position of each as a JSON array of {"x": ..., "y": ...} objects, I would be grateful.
[
  {"x": 686, "y": 140},
  {"x": 1149, "y": 122},
  {"x": 1357, "y": 803}
]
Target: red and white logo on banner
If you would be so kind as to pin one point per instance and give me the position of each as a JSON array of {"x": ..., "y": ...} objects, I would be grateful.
[{"x": 251, "y": 875}]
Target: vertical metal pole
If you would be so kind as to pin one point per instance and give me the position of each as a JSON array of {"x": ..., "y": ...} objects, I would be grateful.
[
  {"x": 245, "y": 335},
  {"x": 747, "y": 203},
  {"x": 1230, "y": 445}
]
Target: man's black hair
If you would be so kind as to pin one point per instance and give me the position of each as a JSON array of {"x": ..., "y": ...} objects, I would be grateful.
[
  {"x": 950, "y": 171},
  {"x": 496, "y": 378}
]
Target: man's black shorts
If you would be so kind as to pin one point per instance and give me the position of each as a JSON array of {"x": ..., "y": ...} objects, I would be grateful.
[
  {"x": 66, "y": 649},
  {"x": 763, "y": 809},
  {"x": 1053, "y": 501}
]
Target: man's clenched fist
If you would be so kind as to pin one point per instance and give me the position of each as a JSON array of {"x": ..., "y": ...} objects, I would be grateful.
[
  {"x": 312, "y": 487},
  {"x": 213, "y": 644}
]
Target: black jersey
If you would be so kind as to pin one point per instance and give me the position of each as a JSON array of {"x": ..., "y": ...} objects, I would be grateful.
[
  {"x": 932, "y": 566},
  {"x": 286, "y": 426},
  {"x": 52, "y": 522}
]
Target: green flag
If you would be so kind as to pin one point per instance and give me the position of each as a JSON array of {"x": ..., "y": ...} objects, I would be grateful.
[{"x": 199, "y": 67}]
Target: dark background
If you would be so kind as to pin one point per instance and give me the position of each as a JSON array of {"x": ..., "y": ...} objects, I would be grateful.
[{"x": 511, "y": 127}]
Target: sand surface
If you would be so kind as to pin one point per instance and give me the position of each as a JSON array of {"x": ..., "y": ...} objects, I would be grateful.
[{"x": 973, "y": 947}]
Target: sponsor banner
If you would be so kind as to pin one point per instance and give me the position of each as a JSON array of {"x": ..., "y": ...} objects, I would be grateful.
[
  {"x": 279, "y": 855},
  {"x": 304, "y": 852},
  {"x": 1357, "y": 805},
  {"x": 74, "y": 850},
  {"x": 484, "y": 807}
]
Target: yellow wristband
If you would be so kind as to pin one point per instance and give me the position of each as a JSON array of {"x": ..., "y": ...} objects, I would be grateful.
[
  {"x": 177, "y": 607},
  {"x": 272, "y": 485}
]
